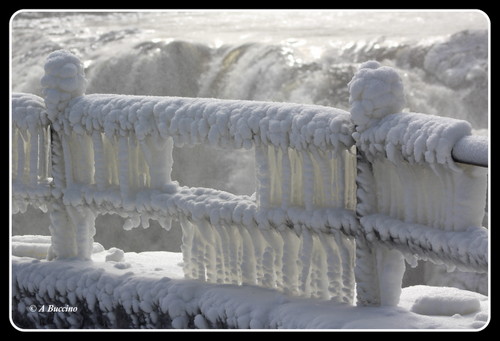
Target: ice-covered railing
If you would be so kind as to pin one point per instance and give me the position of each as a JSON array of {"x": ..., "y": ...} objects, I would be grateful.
[
  {"x": 341, "y": 199},
  {"x": 414, "y": 200},
  {"x": 113, "y": 154},
  {"x": 30, "y": 152}
]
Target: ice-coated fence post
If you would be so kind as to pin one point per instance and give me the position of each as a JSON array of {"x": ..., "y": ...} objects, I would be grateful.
[
  {"x": 375, "y": 92},
  {"x": 72, "y": 232}
]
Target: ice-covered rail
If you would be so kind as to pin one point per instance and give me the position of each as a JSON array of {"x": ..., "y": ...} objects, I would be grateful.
[
  {"x": 414, "y": 201},
  {"x": 341, "y": 198}
]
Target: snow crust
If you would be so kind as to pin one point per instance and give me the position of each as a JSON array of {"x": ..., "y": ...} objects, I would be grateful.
[{"x": 143, "y": 291}]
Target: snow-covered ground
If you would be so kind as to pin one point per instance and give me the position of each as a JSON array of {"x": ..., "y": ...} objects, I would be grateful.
[{"x": 151, "y": 284}]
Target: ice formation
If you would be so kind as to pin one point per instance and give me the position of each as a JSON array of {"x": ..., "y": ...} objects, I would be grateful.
[
  {"x": 30, "y": 152},
  {"x": 103, "y": 295},
  {"x": 410, "y": 189},
  {"x": 311, "y": 219},
  {"x": 113, "y": 154}
]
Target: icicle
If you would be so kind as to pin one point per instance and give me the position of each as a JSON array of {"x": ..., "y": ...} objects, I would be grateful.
[
  {"x": 223, "y": 245},
  {"x": 322, "y": 178},
  {"x": 232, "y": 249},
  {"x": 248, "y": 257},
  {"x": 258, "y": 252},
  {"x": 347, "y": 256},
  {"x": 333, "y": 267},
  {"x": 198, "y": 255},
  {"x": 275, "y": 242},
  {"x": 286, "y": 176},
  {"x": 101, "y": 176},
  {"x": 123, "y": 166},
  {"x": 290, "y": 254},
  {"x": 15, "y": 152},
  {"x": 297, "y": 190},
  {"x": 44, "y": 153},
  {"x": 34, "y": 154},
  {"x": 133, "y": 163},
  {"x": 350, "y": 176},
  {"x": 263, "y": 176},
  {"x": 317, "y": 289},
  {"x": 340, "y": 181},
  {"x": 207, "y": 239},
  {"x": 271, "y": 261},
  {"x": 21, "y": 156},
  {"x": 305, "y": 254},
  {"x": 307, "y": 180},
  {"x": 187, "y": 247}
]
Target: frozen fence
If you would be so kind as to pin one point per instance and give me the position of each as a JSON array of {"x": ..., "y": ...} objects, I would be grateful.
[
  {"x": 414, "y": 200},
  {"x": 341, "y": 199}
]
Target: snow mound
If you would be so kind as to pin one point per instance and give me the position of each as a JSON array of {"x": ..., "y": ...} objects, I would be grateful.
[
  {"x": 115, "y": 255},
  {"x": 445, "y": 301}
]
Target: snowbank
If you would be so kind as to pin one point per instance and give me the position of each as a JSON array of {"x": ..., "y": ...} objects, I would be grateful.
[{"x": 146, "y": 290}]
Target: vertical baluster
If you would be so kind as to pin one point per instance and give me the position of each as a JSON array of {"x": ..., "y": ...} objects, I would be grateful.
[
  {"x": 15, "y": 152},
  {"x": 307, "y": 180},
  {"x": 33, "y": 169},
  {"x": 101, "y": 176},
  {"x": 187, "y": 247},
  {"x": 262, "y": 176},
  {"x": 291, "y": 244},
  {"x": 305, "y": 254},
  {"x": 248, "y": 262},
  {"x": 286, "y": 177},
  {"x": 123, "y": 161},
  {"x": 43, "y": 154},
  {"x": 333, "y": 267},
  {"x": 347, "y": 257}
]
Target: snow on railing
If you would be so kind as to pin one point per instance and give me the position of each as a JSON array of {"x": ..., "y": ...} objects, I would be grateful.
[{"x": 341, "y": 197}]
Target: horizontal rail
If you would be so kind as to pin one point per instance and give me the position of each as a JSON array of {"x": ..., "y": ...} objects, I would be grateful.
[{"x": 471, "y": 150}]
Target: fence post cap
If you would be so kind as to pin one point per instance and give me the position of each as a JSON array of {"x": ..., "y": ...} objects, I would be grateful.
[
  {"x": 375, "y": 91},
  {"x": 64, "y": 79}
]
